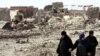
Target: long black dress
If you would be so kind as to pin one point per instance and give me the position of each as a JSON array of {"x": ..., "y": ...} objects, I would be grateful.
[
  {"x": 64, "y": 45},
  {"x": 91, "y": 44}
]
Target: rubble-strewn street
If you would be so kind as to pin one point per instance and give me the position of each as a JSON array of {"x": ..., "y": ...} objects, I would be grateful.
[
  {"x": 38, "y": 45},
  {"x": 30, "y": 31}
]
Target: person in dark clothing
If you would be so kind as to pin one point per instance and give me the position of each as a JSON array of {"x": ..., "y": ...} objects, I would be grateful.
[
  {"x": 91, "y": 44},
  {"x": 80, "y": 45},
  {"x": 65, "y": 45}
]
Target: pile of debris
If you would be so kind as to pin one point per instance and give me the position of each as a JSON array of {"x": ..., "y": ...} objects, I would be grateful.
[
  {"x": 56, "y": 23},
  {"x": 19, "y": 34},
  {"x": 24, "y": 24},
  {"x": 73, "y": 22}
]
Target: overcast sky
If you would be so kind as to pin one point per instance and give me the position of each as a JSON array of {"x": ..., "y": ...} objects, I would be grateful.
[{"x": 42, "y": 3}]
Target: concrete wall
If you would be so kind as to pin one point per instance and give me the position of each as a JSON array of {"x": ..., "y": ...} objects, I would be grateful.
[{"x": 4, "y": 14}]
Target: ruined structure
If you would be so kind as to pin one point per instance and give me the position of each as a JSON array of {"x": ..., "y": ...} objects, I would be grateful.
[
  {"x": 26, "y": 11},
  {"x": 56, "y": 9},
  {"x": 93, "y": 13},
  {"x": 22, "y": 17},
  {"x": 48, "y": 8},
  {"x": 57, "y": 5},
  {"x": 4, "y": 14}
]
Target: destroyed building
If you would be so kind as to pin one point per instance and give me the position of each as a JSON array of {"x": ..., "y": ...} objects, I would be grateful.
[
  {"x": 48, "y": 8},
  {"x": 57, "y": 5},
  {"x": 22, "y": 16},
  {"x": 26, "y": 11},
  {"x": 56, "y": 9},
  {"x": 93, "y": 13},
  {"x": 4, "y": 14},
  {"x": 22, "y": 12}
]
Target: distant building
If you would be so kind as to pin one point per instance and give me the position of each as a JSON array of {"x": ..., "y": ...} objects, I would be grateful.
[
  {"x": 57, "y": 5},
  {"x": 76, "y": 12},
  {"x": 48, "y": 8}
]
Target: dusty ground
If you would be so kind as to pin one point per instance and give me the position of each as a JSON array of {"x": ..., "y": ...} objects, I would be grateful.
[{"x": 38, "y": 45}]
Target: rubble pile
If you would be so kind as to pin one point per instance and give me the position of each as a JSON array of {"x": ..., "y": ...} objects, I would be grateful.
[
  {"x": 95, "y": 25},
  {"x": 24, "y": 24},
  {"x": 18, "y": 34},
  {"x": 42, "y": 29},
  {"x": 56, "y": 22},
  {"x": 38, "y": 46},
  {"x": 74, "y": 22}
]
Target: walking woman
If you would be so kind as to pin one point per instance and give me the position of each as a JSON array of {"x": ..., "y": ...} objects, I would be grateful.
[{"x": 80, "y": 45}]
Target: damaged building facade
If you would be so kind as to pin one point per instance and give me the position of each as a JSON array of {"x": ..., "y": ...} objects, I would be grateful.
[
  {"x": 93, "y": 14},
  {"x": 26, "y": 11},
  {"x": 56, "y": 9},
  {"x": 4, "y": 14}
]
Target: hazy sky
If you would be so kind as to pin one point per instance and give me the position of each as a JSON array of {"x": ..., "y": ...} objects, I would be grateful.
[{"x": 42, "y": 3}]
